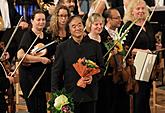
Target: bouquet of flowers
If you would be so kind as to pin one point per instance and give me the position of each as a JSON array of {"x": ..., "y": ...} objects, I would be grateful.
[
  {"x": 117, "y": 43},
  {"x": 61, "y": 102},
  {"x": 86, "y": 67}
]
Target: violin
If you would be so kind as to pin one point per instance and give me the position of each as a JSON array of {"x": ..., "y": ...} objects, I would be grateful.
[
  {"x": 39, "y": 50},
  {"x": 124, "y": 72}
]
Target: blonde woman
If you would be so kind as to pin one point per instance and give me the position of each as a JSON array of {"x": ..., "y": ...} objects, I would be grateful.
[
  {"x": 137, "y": 9},
  {"x": 94, "y": 25}
]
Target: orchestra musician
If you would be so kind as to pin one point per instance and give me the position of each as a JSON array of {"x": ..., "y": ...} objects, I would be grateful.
[
  {"x": 10, "y": 18},
  {"x": 5, "y": 82},
  {"x": 117, "y": 97},
  {"x": 35, "y": 64},
  {"x": 58, "y": 23},
  {"x": 137, "y": 9}
]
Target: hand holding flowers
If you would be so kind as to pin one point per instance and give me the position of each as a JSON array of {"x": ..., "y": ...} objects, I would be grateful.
[
  {"x": 83, "y": 81},
  {"x": 85, "y": 68}
]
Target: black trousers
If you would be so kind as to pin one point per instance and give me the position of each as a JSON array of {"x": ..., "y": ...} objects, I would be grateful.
[
  {"x": 120, "y": 102},
  {"x": 36, "y": 103},
  {"x": 85, "y": 107},
  {"x": 142, "y": 98},
  {"x": 105, "y": 95}
]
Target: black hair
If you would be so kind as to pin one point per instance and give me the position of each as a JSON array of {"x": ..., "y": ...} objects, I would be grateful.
[
  {"x": 107, "y": 13},
  {"x": 69, "y": 21}
]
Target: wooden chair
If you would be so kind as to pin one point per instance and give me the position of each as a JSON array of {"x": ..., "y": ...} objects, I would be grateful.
[
  {"x": 156, "y": 101},
  {"x": 20, "y": 102}
]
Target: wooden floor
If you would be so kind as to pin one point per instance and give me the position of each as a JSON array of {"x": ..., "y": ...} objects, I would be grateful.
[
  {"x": 161, "y": 99},
  {"x": 21, "y": 108}
]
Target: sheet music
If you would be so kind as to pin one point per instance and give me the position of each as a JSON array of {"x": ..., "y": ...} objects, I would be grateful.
[{"x": 144, "y": 63}]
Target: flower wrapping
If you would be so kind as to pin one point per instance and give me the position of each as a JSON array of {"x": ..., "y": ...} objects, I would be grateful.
[{"x": 86, "y": 67}]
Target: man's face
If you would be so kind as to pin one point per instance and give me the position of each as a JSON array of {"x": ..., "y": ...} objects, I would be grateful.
[
  {"x": 115, "y": 20},
  {"x": 70, "y": 4},
  {"x": 76, "y": 28}
]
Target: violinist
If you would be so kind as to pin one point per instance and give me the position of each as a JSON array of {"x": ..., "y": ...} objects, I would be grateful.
[
  {"x": 10, "y": 18},
  {"x": 145, "y": 42},
  {"x": 116, "y": 96},
  {"x": 34, "y": 64},
  {"x": 5, "y": 82}
]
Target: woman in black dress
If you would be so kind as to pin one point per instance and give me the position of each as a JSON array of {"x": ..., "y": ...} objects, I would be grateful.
[
  {"x": 145, "y": 43},
  {"x": 34, "y": 64}
]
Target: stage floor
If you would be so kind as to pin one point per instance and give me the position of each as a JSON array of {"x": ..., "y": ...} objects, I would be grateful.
[{"x": 160, "y": 100}]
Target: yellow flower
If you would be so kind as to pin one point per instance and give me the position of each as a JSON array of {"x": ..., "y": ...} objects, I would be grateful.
[{"x": 118, "y": 45}]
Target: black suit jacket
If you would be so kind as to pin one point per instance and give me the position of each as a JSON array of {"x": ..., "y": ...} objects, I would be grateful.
[{"x": 67, "y": 53}]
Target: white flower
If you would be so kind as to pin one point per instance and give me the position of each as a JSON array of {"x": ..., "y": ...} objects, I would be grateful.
[{"x": 60, "y": 101}]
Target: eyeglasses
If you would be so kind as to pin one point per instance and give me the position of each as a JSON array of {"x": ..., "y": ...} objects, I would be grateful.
[{"x": 65, "y": 16}]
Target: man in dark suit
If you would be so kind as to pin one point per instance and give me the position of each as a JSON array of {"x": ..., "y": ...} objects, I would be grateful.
[
  {"x": 109, "y": 91},
  {"x": 84, "y": 90}
]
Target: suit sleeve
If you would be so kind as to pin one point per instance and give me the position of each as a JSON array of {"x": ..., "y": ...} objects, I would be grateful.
[{"x": 57, "y": 71}]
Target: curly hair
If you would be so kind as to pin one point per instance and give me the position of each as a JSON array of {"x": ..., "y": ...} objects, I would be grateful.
[{"x": 54, "y": 25}]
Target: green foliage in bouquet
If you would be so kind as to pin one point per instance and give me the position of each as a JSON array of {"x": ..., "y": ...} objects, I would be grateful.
[
  {"x": 110, "y": 44},
  {"x": 61, "y": 102},
  {"x": 89, "y": 63}
]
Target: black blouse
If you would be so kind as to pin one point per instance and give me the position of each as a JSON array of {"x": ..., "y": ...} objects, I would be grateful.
[{"x": 145, "y": 40}]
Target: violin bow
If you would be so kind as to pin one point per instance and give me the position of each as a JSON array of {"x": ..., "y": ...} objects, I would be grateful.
[
  {"x": 7, "y": 45},
  {"x": 47, "y": 45},
  {"x": 34, "y": 86},
  {"x": 24, "y": 56},
  {"x": 147, "y": 18}
]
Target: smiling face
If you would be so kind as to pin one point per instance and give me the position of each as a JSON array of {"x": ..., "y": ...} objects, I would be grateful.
[
  {"x": 97, "y": 26},
  {"x": 39, "y": 21},
  {"x": 76, "y": 27},
  {"x": 139, "y": 11},
  {"x": 115, "y": 19}
]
